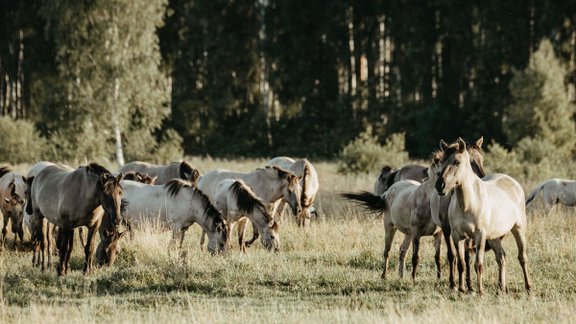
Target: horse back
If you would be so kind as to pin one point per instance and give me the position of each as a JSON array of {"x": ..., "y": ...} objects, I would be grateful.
[{"x": 506, "y": 202}]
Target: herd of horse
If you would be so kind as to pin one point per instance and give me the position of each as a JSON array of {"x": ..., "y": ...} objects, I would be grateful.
[{"x": 451, "y": 198}]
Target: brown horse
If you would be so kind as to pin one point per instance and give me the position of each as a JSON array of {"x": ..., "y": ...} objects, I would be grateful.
[
  {"x": 164, "y": 173},
  {"x": 88, "y": 196},
  {"x": 388, "y": 176},
  {"x": 12, "y": 200}
]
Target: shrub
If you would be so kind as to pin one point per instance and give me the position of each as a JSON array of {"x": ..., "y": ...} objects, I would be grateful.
[
  {"x": 499, "y": 160},
  {"x": 365, "y": 154},
  {"x": 170, "y": 147},
  {"x": 20, "y": 141}
]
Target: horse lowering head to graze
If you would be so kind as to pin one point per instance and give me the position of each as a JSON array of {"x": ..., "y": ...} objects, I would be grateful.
[
  {"x": 164, "y": 173},
  {"x": 13, "y": 197},
  {"x": 140, "y": 177},
  {"x": 72, "y": 198},
  {"x": 555, "y": 191},
  {"x": 176, "y": 205},
  {"x": 236, "y": 200},
  {"x": 482, "y": 209}
]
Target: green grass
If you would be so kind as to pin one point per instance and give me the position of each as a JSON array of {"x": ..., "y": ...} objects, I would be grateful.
[{"x": 327, "y": 273}]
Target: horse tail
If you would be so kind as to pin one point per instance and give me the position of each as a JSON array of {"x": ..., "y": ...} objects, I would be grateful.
[
  {"x": 534, "y": 193},
  {"x": 29, "y": 206},
  {"x": 369, "y": 201}
]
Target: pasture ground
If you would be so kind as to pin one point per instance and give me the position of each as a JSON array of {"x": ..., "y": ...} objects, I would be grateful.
[{"x": 327, "y": 273}]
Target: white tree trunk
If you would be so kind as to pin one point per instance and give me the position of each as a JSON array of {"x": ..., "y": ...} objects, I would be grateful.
[{"x": 117, "y": 133}]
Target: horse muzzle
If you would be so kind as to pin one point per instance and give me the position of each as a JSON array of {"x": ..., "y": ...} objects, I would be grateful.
[{"x": 440, "y": 186}]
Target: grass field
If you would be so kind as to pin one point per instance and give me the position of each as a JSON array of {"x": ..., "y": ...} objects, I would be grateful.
[{"x": 327, "y": 273}]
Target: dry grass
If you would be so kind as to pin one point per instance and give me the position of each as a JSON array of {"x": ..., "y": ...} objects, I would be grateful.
[{"x": 330, "y": 273}]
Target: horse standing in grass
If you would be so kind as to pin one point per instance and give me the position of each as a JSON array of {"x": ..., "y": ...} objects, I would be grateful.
[
  {"x": 178, "y": 205},
  {"x": 482, "y": 209},
  {"x": 304, "y": 170},
  {"x": 12, "y": 200},
  {"x": 236, "y": 200},
  {"x": 69, "y": 199},
  {"x": 406, "y": 207},
  {"x": 388, "y": 176},
  {"x": 555, "y": 191},
  {"x": 164, "y": 173},
  {"x": 270, "y": 184}
]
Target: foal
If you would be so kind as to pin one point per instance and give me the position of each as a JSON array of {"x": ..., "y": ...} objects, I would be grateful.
[{"x": 482, "y": 209}]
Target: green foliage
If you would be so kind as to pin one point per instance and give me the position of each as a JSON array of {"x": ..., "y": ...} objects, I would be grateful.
[
  {"x": 170, "y": 147},
  {"x": 500, "y": 160},
  {"x": 20, "y": 141},
  {"x": 365, "y": 154}
]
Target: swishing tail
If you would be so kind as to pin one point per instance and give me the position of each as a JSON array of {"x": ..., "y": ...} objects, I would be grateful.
[
  {"x": 29, "y": 207},
  {"x": 368, "y": 200},
  {"x": 534, "y": 193}
]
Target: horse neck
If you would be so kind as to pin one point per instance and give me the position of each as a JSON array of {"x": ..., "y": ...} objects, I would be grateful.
[
  {"x": 202, "y": 216},
  {"x": 469, "y": 192},
  {"x": 260, "y": 220}
]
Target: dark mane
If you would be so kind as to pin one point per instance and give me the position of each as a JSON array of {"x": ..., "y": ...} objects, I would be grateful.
[
  {"x": 97, "y": 168},
  {"x": 245, "y": 198},
  {"x": 281, "y": 172},
  {"x": 209, "y": 209},
  {"x": 175, "y": 185},
  {"x": 390, "y": 180},
  {"x": 4, "y": 170},
  {"x": 185, "y": 167},
  {"x": 306, "y": 173},
  {"x": 476, "y": 147}
]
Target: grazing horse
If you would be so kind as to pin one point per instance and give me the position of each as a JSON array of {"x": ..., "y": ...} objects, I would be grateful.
[
  {"x": 270, "y": 184},
  {"x": 88, "y": 196},
  {"x": 555, "y": 191},
  {"x": 308, "y": 181},
  {"x": 164, "y": 173},
  {"x": 178, "y": 205},
  {"x": 139, "y": 177},
  {"x": 407, "y": 208},
  {"x": 236, "y": 200},
  {"x": 388, "y": 176},
  {"x": 12, "y": 195},
  {"x": 482, "y": 209}
]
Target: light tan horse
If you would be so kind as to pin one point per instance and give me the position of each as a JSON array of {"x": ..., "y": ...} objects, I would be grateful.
[
  {"x": 236, "y": 200},
  {"x": 406, "y": 207},
  {"x": 12, "y": 200},
  {"x": 482, "y": 209},
  {"x": 555, "y": 191}
]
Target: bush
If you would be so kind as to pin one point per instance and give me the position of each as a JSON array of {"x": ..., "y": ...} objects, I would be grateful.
[
  {"x": 365, "y": 154},
  {"x": 20, "y": 141},
  {"x": 170, "y": 148},
  {"x": 499, "y": 160}
]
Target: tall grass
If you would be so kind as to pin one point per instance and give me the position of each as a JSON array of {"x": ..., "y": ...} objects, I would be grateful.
[{"x": 328, "y": 272}]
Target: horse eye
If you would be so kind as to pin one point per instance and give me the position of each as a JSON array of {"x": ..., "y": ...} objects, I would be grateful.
[{"x": 457, "y": 162}]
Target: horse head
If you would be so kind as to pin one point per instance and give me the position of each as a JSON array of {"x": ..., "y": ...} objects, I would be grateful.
[
  {"x": 110, "y": 192},
  {"x": 477, "y": 156},
  {"x": 454, "y": 164},
  {"x": 14, "y": 207},
  {"x": 292, "y": 190},
  {"x": 271, "y": 239},
  {"x": 109, "y": 246},
  {"x": 218, "y": 241}
]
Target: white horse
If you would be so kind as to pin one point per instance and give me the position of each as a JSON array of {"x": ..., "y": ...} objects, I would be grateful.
[
  {"x": 236, "y": 200},
  {"x": 177, "y": 205},
  {"x": 270, "y": 184},
  {"x": 308, "y": 181},
  {"x": 407, "y": 208},
  {"x": 555, "y": 191},
  {"x": 482, "y": 209}
]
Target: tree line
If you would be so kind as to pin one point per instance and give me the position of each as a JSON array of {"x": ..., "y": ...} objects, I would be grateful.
[{"x": 110, "y": 78}]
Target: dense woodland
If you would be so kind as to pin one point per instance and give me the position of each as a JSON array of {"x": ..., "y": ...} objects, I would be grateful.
[{"x": 270, "y": 77}]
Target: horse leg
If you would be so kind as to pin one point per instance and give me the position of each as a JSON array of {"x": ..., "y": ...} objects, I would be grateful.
[
  {"x": 182, "y": 251},
  {"x": 81, "y": 236},
  {"x": 438, "y": 248},
  {"x": 496, "y": 245},
  {"x": 21, "y": 236},
  {"x": 43, "y": 242},
  {"x": 468, "y": 250},
  {"x": 403, "y": 249},
  {"x": 520, "y": 237},
  {"x": 240, "y": 230},
  {"x": 202, "y": 240},
  {"x": 4, "y": 231},
  {"x": 255, "y": 236},
  {"x": 89, "y": 246},
  {"x": 461, "y": 263},
  {"x": 415, "y": 253},
  {"x": 480, "y": 240},
  {"x": 62, "y": 246},
  {"x": 450, "y": 254},
  {"x": 49, "y": 240},
  {"x": 69, "y": 245},
  {"x": 388, "y": 238}
]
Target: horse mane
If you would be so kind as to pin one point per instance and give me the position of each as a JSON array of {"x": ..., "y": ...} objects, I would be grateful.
[
  {"x": 306, "y": 173},
  {"x": 4, "y": 170},
  {"x": 282, "y": 173},
  {"x": 390, "y": 181},
  {"x": 209, "y": 209},
  {"x": 246, "y": 199},
  {"x": 97, "y": 168},
  {"x": 186, "y": 167},
  {"x": 175, "y": 185}
]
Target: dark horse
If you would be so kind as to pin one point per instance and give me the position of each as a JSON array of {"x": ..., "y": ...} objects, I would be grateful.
[{"x": 88, "y": 196}]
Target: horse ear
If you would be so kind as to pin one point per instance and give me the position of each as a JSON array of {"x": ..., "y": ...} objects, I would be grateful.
[
  {"x": 461, "y": 145},
  {"x": 6, "y": 199},
  {"x": 443, "y": 145},
  {"x": 154, "y": 179},
  {"x": 24, "y": 179},
  {"x": 195, "y": 174},
  {"x": 104, "y": 177},
  {"x": 480, "y": 141},
  {"x": 386, "y": 169},
  {"x": 119, "y": 177}
]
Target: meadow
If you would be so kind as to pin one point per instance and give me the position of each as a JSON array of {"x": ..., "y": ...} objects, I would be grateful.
[{"x": 329, "y": 272}]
